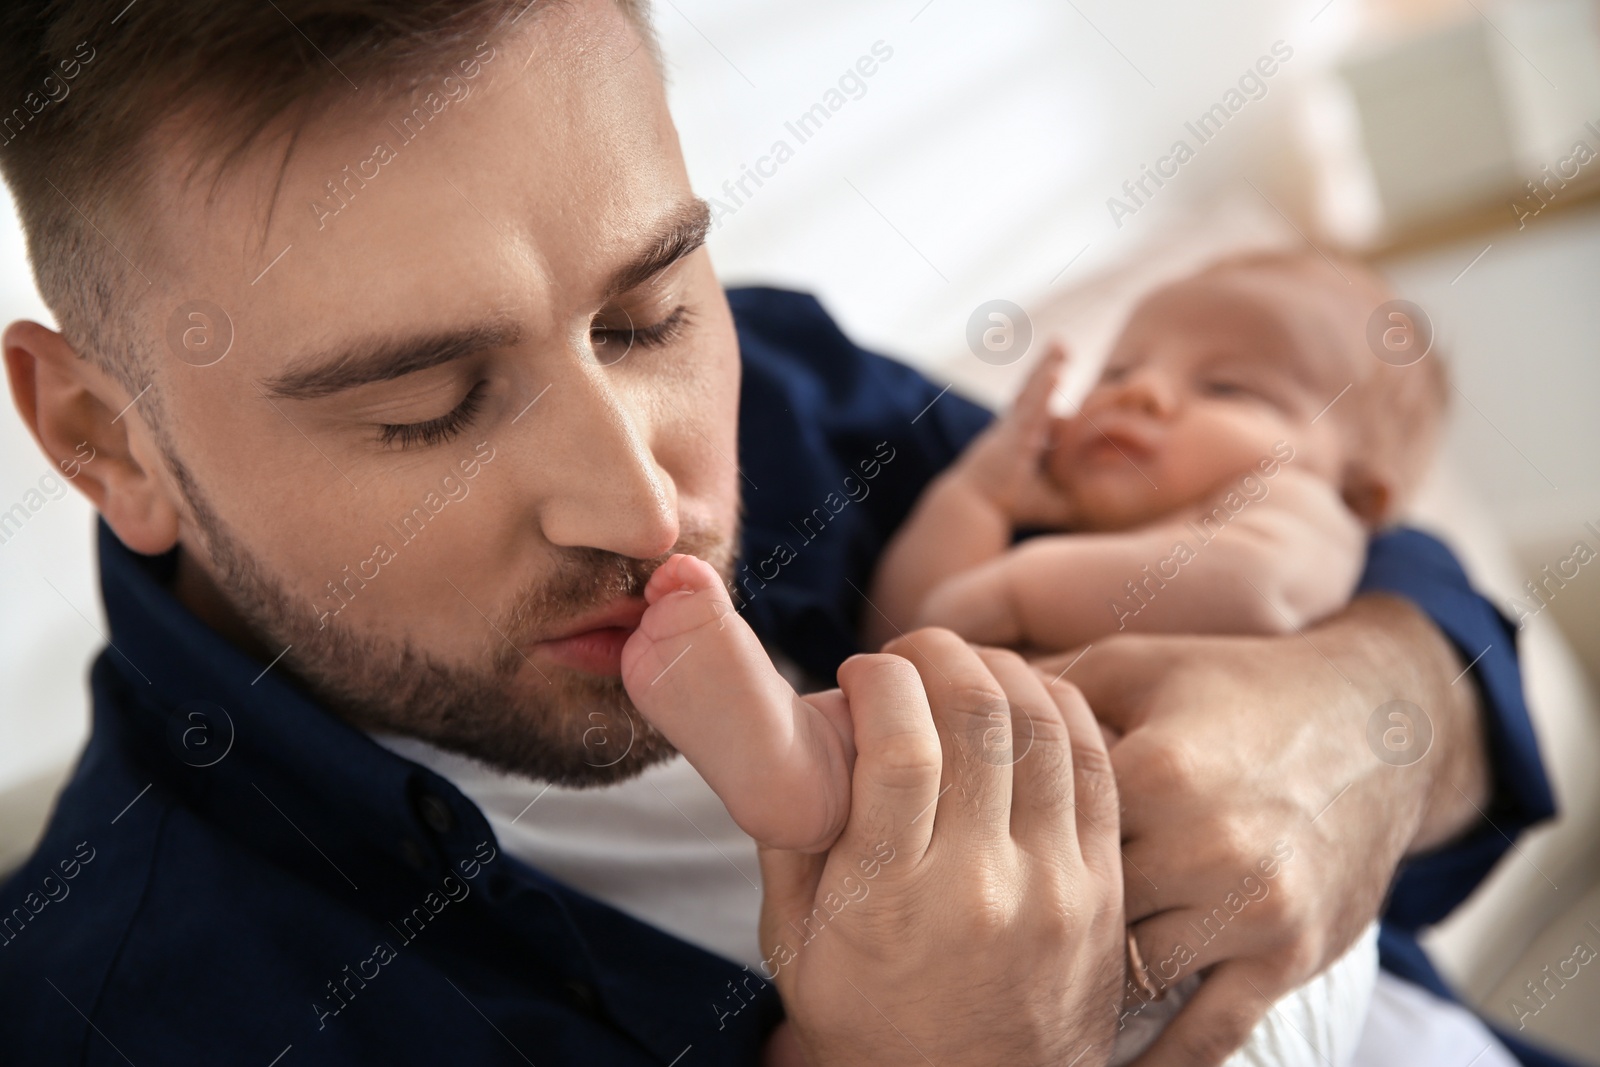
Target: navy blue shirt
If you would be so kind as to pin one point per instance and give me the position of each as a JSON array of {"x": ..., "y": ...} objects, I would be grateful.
[{"x": 235, "y": 875}]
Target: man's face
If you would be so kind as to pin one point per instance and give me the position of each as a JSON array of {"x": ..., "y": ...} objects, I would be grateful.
[
  {"x": 491, "y": 381},
  {"x": 1209, "y": 375}
]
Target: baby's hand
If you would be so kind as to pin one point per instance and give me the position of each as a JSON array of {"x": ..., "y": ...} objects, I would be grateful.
[
  {"x": 1005, "y": 464},
  {"x": 697, "y": 672},
  {"x": 1332, "y": 544},
  {"x": 1301, "y": 548}
]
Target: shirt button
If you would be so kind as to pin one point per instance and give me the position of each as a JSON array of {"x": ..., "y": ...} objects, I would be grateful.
[{"x": 436, "y": 814}]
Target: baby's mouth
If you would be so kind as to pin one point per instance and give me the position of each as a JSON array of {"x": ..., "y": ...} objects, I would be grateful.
[{"x": 1118, "y": 442}]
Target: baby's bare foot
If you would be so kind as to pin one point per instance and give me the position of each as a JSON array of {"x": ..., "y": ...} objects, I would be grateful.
[{"x": 697, "y": 672}]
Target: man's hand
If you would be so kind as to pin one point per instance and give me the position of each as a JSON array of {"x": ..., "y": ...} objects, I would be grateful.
[
  {"x": 1261, "y": 830},
  {"x": 971, "y": 911}
]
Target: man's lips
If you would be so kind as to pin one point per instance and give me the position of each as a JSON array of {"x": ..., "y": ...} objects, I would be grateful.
[{"x": 593, "y": 642}]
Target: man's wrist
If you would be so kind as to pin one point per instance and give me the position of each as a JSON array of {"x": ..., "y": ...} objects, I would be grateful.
[{"x": 1432, "y": 747}]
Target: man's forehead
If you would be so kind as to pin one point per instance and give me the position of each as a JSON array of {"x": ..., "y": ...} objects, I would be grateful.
[{"x": 495, "y": 185}]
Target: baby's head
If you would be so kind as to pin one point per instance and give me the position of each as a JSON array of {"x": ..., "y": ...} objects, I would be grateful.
[{"x": 1212, "y": 372}]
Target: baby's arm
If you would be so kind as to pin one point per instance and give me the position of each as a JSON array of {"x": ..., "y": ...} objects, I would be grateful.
[
  {"x": 697, "y": 672},
  {"x": 967, "y": 515},
  {"x": 1276, "y": 565}
]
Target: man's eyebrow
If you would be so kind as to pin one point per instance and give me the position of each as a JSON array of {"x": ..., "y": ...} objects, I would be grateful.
[
  {"x": 381, "y": 359},
  {"x": 685, "y": 231}
]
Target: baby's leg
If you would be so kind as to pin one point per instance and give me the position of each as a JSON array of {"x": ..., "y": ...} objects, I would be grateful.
[{"x": 698, "y": 673}]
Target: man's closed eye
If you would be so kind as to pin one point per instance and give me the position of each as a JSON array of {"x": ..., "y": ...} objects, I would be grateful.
[
  {"x": 436, "y": 430},
  {"x": 613, "y": 339}
]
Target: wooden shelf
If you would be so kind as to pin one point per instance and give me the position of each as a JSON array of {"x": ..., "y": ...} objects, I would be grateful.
[{"x": 1491, "y": 218}]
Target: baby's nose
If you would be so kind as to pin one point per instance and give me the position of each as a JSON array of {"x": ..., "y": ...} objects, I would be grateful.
[{"x": 1148, "y": 391}]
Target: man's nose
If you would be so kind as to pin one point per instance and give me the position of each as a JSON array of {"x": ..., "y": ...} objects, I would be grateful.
[{"x": 602, "y": 486}]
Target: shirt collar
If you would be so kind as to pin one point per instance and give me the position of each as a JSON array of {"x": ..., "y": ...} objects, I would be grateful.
[{"x": 233, "y": 734}]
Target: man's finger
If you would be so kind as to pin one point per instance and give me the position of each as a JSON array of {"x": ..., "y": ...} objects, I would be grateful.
[
  {"x": 898, "y": 758},
  {"x": 1038, "y": 749},
  {"x": 969, "y": 706},
  {"x": 789, "y": 883},
  {"x": 1226, "y": 1007},
  {"x": 1113, "y": 678},
  {"x": 1156, "y": 775},
  {"x": 1094, "y": 786},
  {"x": 1147, "y": 883},
  {"x": 1182, "y": 941},
  {"x": 1154, "y": 768}
]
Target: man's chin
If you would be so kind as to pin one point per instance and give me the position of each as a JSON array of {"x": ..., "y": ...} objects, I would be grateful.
[
  {"x": 557, "y": 724},
  {"x": 534, "y": 719},
  {"x": 610, "y": 750}
]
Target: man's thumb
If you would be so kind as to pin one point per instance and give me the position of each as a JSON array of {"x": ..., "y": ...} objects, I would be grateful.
[{"x": 789, "y": 883}]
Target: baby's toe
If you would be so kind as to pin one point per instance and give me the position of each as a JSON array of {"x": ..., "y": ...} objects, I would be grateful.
[{"x": 682, "y": 573}]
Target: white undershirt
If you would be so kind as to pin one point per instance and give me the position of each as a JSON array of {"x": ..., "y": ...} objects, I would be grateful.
[
  {"x": 1407, "y": 1026},
  {"x": 660, "y": 847}
]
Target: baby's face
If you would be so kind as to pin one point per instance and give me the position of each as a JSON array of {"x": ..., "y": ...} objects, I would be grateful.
[{"x": 1207, "y": 377}]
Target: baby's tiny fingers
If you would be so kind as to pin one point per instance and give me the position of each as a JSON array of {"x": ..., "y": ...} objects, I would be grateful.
[
  {"x": 1047, "y": 371},
  {"x": 1032, "y": 405}
]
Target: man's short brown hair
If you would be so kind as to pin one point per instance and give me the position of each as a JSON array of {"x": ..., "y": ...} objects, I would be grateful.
[{"x": 84, "y": 83}]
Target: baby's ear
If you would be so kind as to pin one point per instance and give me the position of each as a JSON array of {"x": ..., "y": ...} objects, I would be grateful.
[{"x": 1369, "y": 494}]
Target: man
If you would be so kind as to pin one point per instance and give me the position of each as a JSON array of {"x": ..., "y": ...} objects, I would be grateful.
[{"x": 402, "y": 365}]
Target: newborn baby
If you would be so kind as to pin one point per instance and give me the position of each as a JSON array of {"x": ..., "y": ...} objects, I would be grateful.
[{"x": 1220, "y": 478}]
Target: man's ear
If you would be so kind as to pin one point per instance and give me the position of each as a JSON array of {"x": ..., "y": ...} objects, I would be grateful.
[
  {"x": 1369, "y": 494},
  {"x": 82, "y": 419}
]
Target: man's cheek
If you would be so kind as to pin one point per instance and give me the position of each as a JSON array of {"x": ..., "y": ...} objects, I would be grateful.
[{"x": 716, "y": 438}]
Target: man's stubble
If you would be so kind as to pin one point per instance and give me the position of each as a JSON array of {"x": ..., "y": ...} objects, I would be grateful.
[{"x": 551, "y": 724}]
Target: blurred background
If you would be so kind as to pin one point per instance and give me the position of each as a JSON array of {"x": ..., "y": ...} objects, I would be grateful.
[{"x": 939, "y": 154}]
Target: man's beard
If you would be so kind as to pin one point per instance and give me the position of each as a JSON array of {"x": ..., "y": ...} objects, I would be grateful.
[{"x": 566, "y": 726}]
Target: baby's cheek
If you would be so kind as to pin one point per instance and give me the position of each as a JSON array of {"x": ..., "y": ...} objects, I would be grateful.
[{"x": 1232, "y": 443}]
